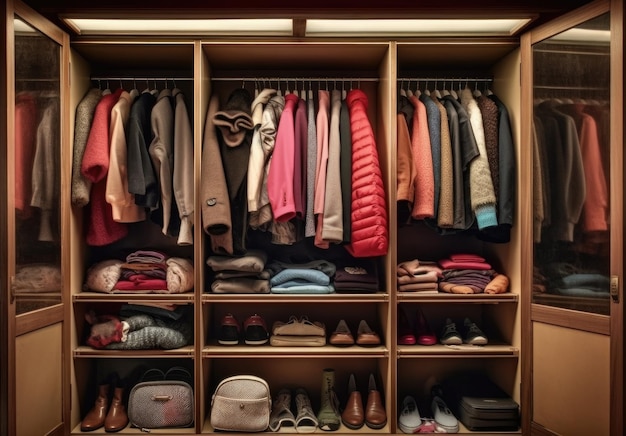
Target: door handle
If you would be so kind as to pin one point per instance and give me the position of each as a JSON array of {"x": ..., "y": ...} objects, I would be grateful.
[{"x": 615, "y": 289}]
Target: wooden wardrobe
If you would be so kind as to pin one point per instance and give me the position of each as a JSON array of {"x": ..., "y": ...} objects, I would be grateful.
[{"x": 561, "y": 359}]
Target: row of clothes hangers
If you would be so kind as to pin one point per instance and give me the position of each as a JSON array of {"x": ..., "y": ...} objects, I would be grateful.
[{"x": 440, "y": 89}]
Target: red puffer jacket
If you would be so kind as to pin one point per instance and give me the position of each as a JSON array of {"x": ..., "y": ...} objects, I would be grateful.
[{"x": 369, "y": 210}]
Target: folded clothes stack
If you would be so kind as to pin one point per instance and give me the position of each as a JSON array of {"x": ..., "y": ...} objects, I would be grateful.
[
  {"x": 298, "y": 333},
  {"x": 418, "y": 276},
  {"x": 244, "y": 274},
  {"x": 142, "y": 272},
  {"x": 302, "y": 278},
  {"x": 356, "y": 279},
  {"x": 470, "y": 274}
]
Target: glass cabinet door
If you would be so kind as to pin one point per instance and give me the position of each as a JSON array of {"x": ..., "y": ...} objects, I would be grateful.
[
  {"x": 571, "y": 168},
  {"x": 36, "y": 148}
]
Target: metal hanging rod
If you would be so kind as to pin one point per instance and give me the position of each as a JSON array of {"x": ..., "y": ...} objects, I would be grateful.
[
  {"x": 142, "y": 79},
  {"x": 445, "y": 79},
  {"x": 296, "y": 79}
]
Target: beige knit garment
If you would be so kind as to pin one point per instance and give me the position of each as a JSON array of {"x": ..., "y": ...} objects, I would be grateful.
[{"x": 445, "y": 214}]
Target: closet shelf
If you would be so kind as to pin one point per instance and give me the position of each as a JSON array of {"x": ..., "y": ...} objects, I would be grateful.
[
  {"x": 207, "y": 428},
  {"x": 97, "y": 297},
  {"x": 458, "y": 298},
  {"x": 464, "y": 350},
  {"x": 85, "y": 351},
  {"x": 138, "y": 431},
  {"x": 377, "y": 297},
  {"x": 247, "y": 351}
]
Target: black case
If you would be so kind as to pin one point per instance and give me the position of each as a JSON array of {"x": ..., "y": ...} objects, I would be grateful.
[{"x": 480, "y": 404}]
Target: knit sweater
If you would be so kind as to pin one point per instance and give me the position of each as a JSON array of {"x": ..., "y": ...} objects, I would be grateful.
[
  {"x": 482, "y": 195},
  {"x": 445, "y": 213},
  {"x": 83, "y": 118}
]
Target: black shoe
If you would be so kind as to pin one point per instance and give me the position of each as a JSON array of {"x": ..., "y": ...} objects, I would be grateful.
[
  {"x": 229, "y": 331},
  {"x": 449, "y": 334},
  {"x": 255, "y": 330},
  {"x": 473, "y": 334}
]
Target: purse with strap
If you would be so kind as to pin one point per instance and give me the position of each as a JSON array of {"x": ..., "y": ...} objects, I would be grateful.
[
  {"x": 241, "y": 403},
  {"x": 162, "y": 400}
]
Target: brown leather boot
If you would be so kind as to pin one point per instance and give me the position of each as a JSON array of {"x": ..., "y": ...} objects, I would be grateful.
[
  {"x": 95, "y": 417},
  {"x": 117, "y": 418}
]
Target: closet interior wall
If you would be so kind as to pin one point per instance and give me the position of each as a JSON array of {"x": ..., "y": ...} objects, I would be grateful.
[
  {"x": 481, "y": 64},
  {"x": 127, "y": 65},
  {"x": 366, "y": 66},
  {"x": 216, "y": 67}
]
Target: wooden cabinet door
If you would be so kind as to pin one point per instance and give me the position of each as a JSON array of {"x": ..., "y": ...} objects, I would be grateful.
[
  {"x": 35, "y": 173},
  {"x": 572, "y": 173}
]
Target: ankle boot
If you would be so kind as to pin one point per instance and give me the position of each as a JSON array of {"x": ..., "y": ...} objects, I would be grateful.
[
  {"x": 117, "y": 418},
  {"x": 96, "y": 416},
  {"x": 328, "y": 416},
  {"x": 352, "y": 416},
  {"x": 375, "y": 415}
]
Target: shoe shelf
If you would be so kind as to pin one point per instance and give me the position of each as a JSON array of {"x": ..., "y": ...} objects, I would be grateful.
[
  {"x": 84, "y": 351},
  {"x": 97, "y": 297},
  {"x": 462, "y": 351},
  {"x": 378, "y": 297},
  {"x": 442, "y": 297},
  {"x": 247, "y": 351},
  {"x": 207, "y": 428},
  {"x": 137, "y": 431}
]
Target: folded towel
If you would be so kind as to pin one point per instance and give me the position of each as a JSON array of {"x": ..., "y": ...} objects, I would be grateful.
[{"x": 180, "y": 276}]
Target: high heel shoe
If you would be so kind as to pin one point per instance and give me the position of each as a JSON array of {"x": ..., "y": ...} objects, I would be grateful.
[{"x": 375, "y": 415}]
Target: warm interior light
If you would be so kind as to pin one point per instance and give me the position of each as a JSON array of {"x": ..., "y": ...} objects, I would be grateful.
[
  {"x": 584, "y": 35},
  {"x": 409, "y": 27},
  {"x": 90, "y": 26}
]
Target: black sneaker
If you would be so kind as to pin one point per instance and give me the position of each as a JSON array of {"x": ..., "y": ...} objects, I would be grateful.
[
  {"x": 229, "y": 331},
  {"x": 449, "y": 334},
  {"x": 473, "y": 335},
  {"x": 255, "y": 330}
]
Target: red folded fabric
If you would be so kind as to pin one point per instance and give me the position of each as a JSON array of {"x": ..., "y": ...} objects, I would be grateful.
[
  {"x": 141, "y": 282},
  {"x": 450, "y": 264},
  {"x": 466, "y": 257}
]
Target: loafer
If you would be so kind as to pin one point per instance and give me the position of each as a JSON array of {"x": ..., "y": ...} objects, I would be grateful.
[
  {"x": 366, "y": 336},
  {"x": 342, "y": 335},
  {"x": 410, "y": 419},
  {"x": 375, "y": 414},
  {"x": 353, "y": 415}
]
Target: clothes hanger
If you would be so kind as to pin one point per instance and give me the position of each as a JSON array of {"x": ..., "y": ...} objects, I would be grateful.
[
  {"x": 409, "y": 93},
  {"x": 310, "y": 92},
  {"x": 445, "y": 91},
  {"x": 453, "y": 92},
  {"x": 436, "y": 91},
  {"x": 303, "y": 92},
  {"x": 476, "y": 93},
  {"x": 426, "y": 90},
  {"x": 417, "y": 92},
  {"x": 402, "y": 91}
]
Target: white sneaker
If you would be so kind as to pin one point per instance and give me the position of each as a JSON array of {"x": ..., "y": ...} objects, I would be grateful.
[
  {"x": 443, "y": 416},
  {"x": 410, "y": 419}
]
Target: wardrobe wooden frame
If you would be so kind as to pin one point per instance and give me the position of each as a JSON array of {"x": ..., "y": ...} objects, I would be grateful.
[{"x": 504, "y": 55}]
